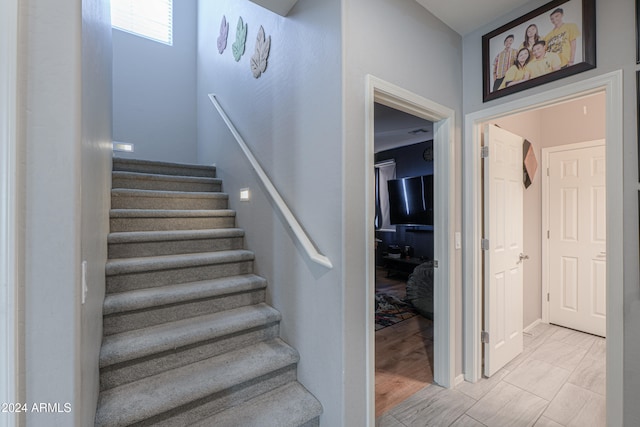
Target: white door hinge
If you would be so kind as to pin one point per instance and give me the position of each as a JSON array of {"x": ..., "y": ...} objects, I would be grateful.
[
  {"x": 484, "y": 337},
  {"x": 484, "y": 244},
  {"x": 484, "y": 152}
]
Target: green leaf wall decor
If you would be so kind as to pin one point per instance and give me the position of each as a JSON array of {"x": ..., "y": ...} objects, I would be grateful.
[{"x": 241, "y": 39}]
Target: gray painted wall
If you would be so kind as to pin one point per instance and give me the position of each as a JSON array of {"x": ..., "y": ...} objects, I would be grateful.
[
  {"x": 64, "y": 110},
  {"x": 616, "y": 50},
  {"x": 394, "y": 41},
  {"x": 291, "y": 119},
  {"x": 154, "y": 87}
]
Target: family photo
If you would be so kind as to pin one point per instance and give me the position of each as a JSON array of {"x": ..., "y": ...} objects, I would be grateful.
[{"x": 543, "y": 42}]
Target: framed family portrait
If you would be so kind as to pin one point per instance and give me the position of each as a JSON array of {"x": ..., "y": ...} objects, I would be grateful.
[{"x": 551, "y": 42}]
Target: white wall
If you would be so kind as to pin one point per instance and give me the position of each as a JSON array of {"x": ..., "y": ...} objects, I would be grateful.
[
  {"x": 291, "y": 119},
  {"x": 549, "y": 127},
  {"x": 396, "y": 42},
  {"x": 95, "y": 193},
  {"x": 154, "y": 88},
  {"x": 65, "y": 109},
  {"x": 615, "y": 38},
  {"x": 10, "y": 223}
]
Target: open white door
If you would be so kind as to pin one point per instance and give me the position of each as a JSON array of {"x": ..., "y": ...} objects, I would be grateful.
[
  {"x": 503, "y": 228},
  {"x": 577, "y": 238}
]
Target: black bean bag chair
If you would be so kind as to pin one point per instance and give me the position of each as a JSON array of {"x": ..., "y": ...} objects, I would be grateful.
[{"x": 420, "y": 289}]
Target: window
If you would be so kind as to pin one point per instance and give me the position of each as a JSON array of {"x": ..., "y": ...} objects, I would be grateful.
[
  {"x": 152, "y": 19},
  {"x": 385, "y": 171}
]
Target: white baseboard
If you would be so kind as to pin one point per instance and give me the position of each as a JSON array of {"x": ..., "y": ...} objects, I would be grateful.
[
  {"x": 458, "y": 380},
  {"x": 533, "y": 325}
]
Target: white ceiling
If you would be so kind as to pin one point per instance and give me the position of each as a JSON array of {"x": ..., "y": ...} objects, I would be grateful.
[{"x": 466, "y": 16}]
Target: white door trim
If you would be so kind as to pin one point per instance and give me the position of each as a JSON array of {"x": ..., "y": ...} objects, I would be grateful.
[
  {"x": 8, "y": 200},
  {"x": 611, "y": 84},
  {"x": 444, "y": 169},
  {"x": 545, "y": 214}
]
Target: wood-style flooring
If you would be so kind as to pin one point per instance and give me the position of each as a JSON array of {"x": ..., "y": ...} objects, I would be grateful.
[{"x": 404, "y": 352}]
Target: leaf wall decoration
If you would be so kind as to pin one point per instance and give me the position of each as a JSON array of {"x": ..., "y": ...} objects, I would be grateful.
[
  {"x": 224, "y": 33},
  {"x": 261, "y": 54},
  {"x": 241, "y": 39}
]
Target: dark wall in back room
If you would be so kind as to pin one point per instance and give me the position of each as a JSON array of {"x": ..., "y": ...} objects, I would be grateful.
[{"x": 409, "y": 162}]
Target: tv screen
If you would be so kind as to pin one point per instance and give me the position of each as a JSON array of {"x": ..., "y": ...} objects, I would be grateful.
[{"x": 411, "y": 200}]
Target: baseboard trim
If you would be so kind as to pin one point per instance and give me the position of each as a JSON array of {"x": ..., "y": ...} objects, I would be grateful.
[
  {"x": 458, "y": 380},
  {"x": 533, "y": 325}
]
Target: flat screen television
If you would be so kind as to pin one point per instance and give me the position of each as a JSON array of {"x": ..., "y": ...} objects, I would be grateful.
[{"x": 411, "y": 200}]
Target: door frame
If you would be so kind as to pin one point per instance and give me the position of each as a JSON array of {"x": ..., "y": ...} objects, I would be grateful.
[
  {"x": 611, "y": 84},
  {"x": 9, "y": 219},
  {"x": 545, "y": 215},
  {"x": 380, "y": 91}
]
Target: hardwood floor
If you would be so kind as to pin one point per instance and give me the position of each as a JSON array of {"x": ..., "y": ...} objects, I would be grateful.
[{"x": 404, "y": 352}]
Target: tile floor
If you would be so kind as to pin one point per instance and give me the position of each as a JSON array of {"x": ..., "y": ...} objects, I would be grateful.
[{"x": 558, "y": 380}]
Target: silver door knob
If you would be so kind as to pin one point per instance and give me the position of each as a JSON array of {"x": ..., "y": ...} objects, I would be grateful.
[{"x": 522, "y": 257}]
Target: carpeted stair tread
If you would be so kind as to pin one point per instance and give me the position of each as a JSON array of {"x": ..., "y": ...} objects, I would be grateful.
[
  {"x": 169, "y": 235},
  {"x": 150, "y": 181},
  {"x": 163, "y": 168},
  {"x": 167, "y": 262},
  {"x": 145, "y": 342},
  {"x": 290, "y": 405},
  {"x": 141, "y": 299},
  {"x": 170, "y": 213},
  {"x": 154, "y": 395}
]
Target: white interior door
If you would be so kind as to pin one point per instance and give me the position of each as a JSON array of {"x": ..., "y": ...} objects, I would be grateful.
[
  {"x": 503, "y": 227},
  {"x": 577, "y": 239}
]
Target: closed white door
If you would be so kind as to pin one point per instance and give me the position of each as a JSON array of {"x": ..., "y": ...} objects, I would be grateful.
[
  {"x": 577, "y": 239},
  {"x": 503, "y": 223}
]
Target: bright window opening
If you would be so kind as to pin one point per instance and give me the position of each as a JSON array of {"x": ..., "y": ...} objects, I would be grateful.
[{"x": 152, "y": 19}]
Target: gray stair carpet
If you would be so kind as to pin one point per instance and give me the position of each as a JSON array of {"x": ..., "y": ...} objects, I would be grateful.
[{"x": 188, "y": 337}]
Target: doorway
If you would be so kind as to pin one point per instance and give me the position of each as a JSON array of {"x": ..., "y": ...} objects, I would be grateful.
[
  {"x": 379, "y": 91},
  {"x": 403, "y": 149},
  {"x": 611, "y": 86}
]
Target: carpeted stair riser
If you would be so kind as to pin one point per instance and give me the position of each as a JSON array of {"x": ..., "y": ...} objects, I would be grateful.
[
  {"x": 127, "y": 321},
  {"x": 166, "y": 220},
  {"x": 289, "y": 405},
  {"x": 143, "y": 244},
  {"x": 147, "y": 307},
  {"x": 126, "y": 282},
  {"x": 162, "y": 168},
  {"x": 146, "y": 181},
  {"x": 131, "y": 356},
  {"x": 195, "y": 390},
  {"x": 166, "y": 200}
]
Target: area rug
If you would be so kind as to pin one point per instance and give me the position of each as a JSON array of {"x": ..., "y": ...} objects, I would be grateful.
[{"x": 391, "y": 310}]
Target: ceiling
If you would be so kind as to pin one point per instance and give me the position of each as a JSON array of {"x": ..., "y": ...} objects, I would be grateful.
[
  {"x": 465, "y": 16},
  {"x": 395, "y": 129}
]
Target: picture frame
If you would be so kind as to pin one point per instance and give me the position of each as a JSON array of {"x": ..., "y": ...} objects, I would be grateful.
[{"x": 568, "y": 29}]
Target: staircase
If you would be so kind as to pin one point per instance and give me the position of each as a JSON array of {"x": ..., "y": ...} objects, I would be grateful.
[{"x": 188, "y": 339}]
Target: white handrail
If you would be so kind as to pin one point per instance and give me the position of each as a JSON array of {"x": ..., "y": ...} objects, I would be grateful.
[{"x": 292, "y": 222}]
